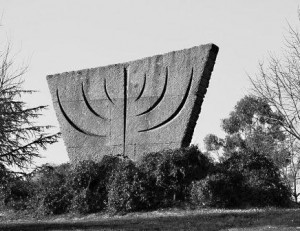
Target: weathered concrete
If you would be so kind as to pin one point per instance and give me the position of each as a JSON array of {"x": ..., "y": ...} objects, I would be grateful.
[{"x": 134, "y": 107}]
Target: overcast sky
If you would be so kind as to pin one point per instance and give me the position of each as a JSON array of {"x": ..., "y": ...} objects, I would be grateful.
[{"x": 55, "y": 36}]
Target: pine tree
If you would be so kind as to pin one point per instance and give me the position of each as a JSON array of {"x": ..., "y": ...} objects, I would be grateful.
[{"x": 20, "y": 137}]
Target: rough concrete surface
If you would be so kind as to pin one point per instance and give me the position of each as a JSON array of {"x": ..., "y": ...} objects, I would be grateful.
[{"x": 134, "y": 107}]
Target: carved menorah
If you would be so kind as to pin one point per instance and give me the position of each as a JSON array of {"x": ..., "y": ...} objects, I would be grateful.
[{"x": 132, "y": 108}]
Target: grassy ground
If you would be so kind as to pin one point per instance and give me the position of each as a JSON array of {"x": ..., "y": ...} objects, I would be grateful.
[{"x": 173, "y": 219}]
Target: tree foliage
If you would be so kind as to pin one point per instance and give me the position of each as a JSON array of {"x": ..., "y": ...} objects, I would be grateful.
[
  {"x": 20, "y": 137},
  {"x": 253, "y": 125},
  {"x": 246, "y": 178},
  {"x": 169, "y": 174}
]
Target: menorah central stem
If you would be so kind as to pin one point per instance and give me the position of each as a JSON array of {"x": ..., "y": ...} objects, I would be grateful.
[{"x": 125, "y": 112}]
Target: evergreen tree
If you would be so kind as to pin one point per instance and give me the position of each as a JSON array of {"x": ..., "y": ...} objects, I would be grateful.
[{"x": 20, "y": 137}]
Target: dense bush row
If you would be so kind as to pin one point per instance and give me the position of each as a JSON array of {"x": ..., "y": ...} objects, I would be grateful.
[
  {"x": 246, "y": 179},
  {"x": 160, "y": 179}
]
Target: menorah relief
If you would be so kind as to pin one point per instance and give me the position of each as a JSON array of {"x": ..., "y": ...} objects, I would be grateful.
[{"x": 135, "y": 107}]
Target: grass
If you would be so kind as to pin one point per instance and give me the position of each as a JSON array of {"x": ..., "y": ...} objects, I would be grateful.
[{"x": 171, "y": 219}]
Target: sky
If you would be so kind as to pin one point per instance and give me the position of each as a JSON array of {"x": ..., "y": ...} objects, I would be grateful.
[{"x": 54, "y": 36}]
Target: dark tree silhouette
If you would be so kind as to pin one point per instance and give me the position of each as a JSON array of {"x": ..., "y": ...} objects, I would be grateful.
[{"x": 20, "y": 137}]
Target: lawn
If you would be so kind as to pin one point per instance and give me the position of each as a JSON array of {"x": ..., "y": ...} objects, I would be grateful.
[{"x": 172, "y": 219}]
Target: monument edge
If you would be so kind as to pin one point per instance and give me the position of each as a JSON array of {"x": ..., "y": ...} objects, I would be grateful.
[{"x": 201, "y": 92}]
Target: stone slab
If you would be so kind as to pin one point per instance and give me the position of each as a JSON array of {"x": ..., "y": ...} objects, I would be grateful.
[{"x": 134, "y": 107}]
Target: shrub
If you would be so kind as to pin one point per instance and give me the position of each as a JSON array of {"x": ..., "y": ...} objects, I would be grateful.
[
  {"x": 84, "y": 181},
  {"x": 199, "y": 193},
  {"x": 15, "y": 189},
  {"x": 107, "y": 166},
  {"x": 5, "y": 175},
  {"x": 87, "y": 201},
  {"x": 84, "y": 175},
  {"x": 244, "y": 179},
  {"x": 169, "y": 174},
  {"x": 89, "y": 182},
  {"x": 63, "y": 169},
  {"x": 18, "y": 193},
  {"x": 125, "y": 188},
  {"x": 57, "y": 200},
  {"x": 195, "y": 163},
  {"x": 226, "y": 189},
  {"x": 52, "y": 194},
  {"x": 153, "y": 195},
  {"x": 265, "y": 185}
]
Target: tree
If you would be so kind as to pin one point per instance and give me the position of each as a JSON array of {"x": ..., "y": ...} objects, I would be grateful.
[
  {"x": 213, "y": 144},
  {"x": 278, "y": 83},
  {"x": 251, "y": 179},
  {"x": 246, "y": 178},
  {"x": 255, "y": 153},
  {"x": 20, "y": 137},
  {"x": 253, "y": 125},
  {"x": 293, "y": 169}
]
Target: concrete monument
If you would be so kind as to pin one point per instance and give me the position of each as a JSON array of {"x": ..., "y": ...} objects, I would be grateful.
[{"x": 134, "y": 107}]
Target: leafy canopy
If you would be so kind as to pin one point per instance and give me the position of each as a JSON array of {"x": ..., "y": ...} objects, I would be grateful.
[{"x": 253, "y": 125}]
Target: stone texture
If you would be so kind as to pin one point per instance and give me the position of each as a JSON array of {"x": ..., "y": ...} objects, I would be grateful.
[{"x": 135, "y": 107}]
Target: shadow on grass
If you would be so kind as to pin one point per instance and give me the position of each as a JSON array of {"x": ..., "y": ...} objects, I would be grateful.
[{"x": 180, "y": 220}]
